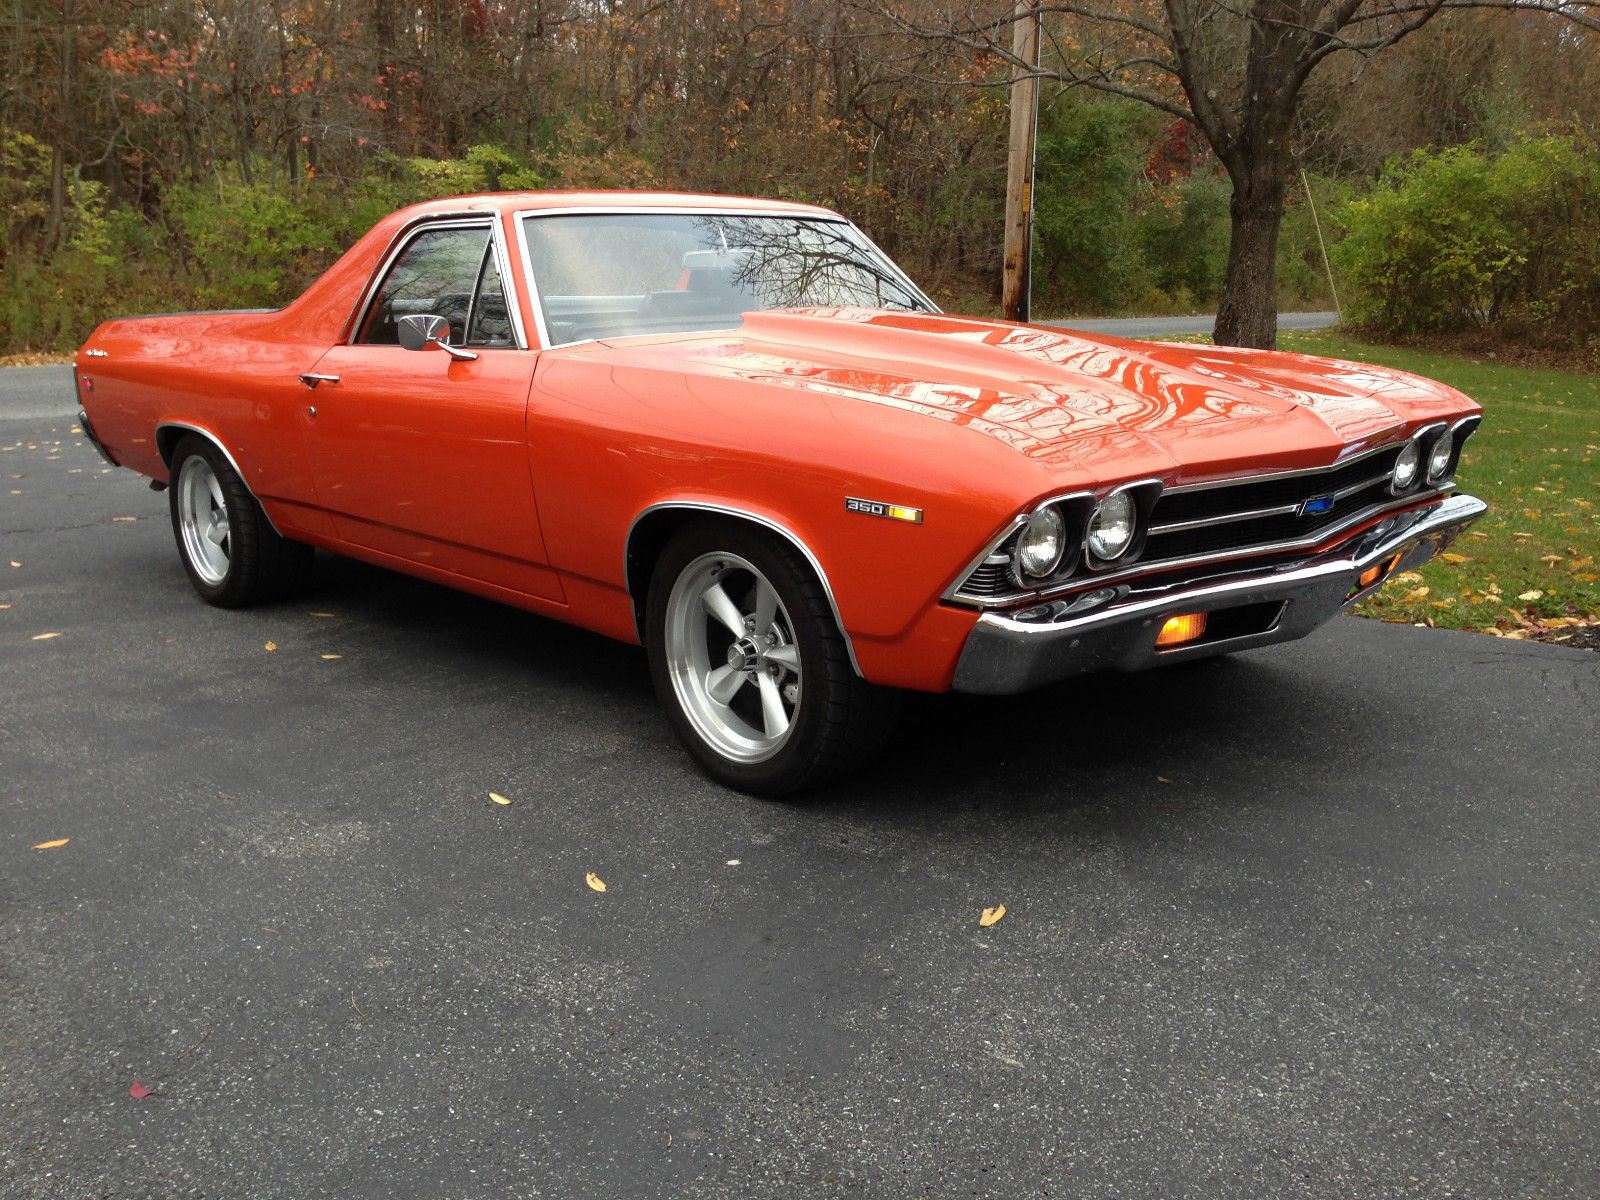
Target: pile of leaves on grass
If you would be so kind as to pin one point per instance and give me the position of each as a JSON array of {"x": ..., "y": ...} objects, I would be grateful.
[{"x": 1404, "y": 600}]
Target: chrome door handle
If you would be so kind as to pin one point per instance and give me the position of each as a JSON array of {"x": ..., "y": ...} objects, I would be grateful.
[{"x": 311, "y": 380}]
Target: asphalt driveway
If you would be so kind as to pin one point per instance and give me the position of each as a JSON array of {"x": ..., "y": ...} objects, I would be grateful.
[{"x": 1319, "y": 921}]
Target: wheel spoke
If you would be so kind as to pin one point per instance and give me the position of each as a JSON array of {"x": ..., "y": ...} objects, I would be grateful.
[
  {"x": 766, "y": 605},
  {"x": 217, "y": 502},
  {"x": 217, "y": 531},
  {"x": 785, "y": 656},
  {"x": 724, "y": 683},
  {"x": 721, "y": 606},
  {"x": 772, "y": 714}
]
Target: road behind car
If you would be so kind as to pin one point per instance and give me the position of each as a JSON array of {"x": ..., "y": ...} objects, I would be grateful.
[{"x": 1318, "y": 921}]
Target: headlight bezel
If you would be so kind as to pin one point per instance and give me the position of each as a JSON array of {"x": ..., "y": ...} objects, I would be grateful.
[
  {"x": 1446, "y": 441},
  {"x": 1043, "y": 517},
  {"x": 1459, "y": 431},
  {"x": 1143, "y": 493},
  {"x": 1128, "y": 510},
  {"x": 1418, "y": 459},
  {"x": 1076, "y": 510}
]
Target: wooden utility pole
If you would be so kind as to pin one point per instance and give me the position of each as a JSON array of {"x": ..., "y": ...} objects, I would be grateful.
[{"x": 1018, "y": 282}]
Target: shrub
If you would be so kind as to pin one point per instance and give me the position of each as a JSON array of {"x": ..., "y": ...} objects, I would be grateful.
[
  {"x": 1455, "y": 239},
  {"x": 1087, "y": 177}
]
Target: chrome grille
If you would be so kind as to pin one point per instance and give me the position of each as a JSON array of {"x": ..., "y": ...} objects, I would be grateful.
[
  {"x": 1264, "y": 512},
  {"x": 1199, "y": 527},
  {"x": 1220, "y": 500},
  {"x": 992, "y": 577}
]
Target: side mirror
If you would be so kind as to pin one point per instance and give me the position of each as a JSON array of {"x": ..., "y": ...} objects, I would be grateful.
[{"x": 424, "y": 331}]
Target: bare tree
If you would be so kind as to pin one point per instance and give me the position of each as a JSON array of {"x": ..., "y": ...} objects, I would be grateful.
[{"x": 1234, "y": 69}]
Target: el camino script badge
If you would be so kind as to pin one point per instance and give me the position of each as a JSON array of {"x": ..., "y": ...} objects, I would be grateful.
[{"x": 877, "y": 508}]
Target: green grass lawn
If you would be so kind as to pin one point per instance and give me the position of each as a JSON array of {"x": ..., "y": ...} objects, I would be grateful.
[{"x": 1532, "y": 557}]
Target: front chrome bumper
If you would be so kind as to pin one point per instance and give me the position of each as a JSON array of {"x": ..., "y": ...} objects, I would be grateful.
[{"x": 1008, "y": 653}]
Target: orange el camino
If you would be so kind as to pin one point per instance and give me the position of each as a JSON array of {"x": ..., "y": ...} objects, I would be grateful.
[{"x": 734, "y": 431}]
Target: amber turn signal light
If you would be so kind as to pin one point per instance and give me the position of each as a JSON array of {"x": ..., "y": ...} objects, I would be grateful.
[
  {"x": 1187, "y": 627},
  {"x": 1372, "y": 574}
]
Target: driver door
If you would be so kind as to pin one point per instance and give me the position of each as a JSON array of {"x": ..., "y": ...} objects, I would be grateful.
[{"x": 419, "y": 455}]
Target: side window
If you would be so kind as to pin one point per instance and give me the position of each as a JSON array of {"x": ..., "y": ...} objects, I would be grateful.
[
  {"x": 438, "y": 272},
  {"x": 491, "y": 318}
]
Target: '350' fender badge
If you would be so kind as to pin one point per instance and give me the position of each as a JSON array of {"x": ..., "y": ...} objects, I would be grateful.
[{"x": 877, "y": 508}]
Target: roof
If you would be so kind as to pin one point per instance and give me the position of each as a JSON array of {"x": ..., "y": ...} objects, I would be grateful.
[{"x": 504, "y": 202}]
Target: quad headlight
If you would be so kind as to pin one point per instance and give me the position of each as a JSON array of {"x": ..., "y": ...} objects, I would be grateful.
[
  {"x": 1111, "y": 529},
  {"x": 1043, "y": 542},
  {"x": 1407, "y": 466},
  {"x": 1439, "y": 457}
]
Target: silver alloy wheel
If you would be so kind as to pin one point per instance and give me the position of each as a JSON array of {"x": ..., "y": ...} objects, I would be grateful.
[
  {"x": 732, "y": 657},
  {"x": 203, "y": 517}
]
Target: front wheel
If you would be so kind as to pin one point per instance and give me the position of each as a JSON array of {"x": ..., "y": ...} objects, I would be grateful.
[{"x": 751, "y": 667}]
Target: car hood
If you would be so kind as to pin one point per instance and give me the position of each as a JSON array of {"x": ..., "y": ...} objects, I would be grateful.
[{"x": 1062, "y": 397}]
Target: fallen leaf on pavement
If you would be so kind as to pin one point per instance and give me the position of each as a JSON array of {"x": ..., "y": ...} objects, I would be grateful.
[
  {"x": 44, "y": 637},
  {"x": 124, "y": 518},
  {"x": 498, "y": 798},
  {"x": 321, "y": 614},
  {"x": 15, "y": 563},
  {"x": 327, "y": 657},
  {"x": 595, "y": 881},
  {"x": 138, "y": 1091},
  {"x": 272, "y": 645},
  {"x": 52, "y": 845},
  {"x": 1163, "y": 779},
  {"x": 991, "y": 915}
]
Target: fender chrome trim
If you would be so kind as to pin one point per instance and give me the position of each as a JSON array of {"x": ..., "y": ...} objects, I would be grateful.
[
  {"x": 787, "y": 534},
  {"x": 226, "y": 453}
]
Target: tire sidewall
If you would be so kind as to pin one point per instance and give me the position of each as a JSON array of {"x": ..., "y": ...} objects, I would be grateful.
[
  {"x": 785, "y": 770},
  {"x": 229, "y": 588}
]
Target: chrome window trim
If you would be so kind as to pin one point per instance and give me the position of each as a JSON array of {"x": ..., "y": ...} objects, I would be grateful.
[
  {"x": 783, "y": 531},
  {"x": 676, "y": 210},
  {"x": 414, "y": 229}
]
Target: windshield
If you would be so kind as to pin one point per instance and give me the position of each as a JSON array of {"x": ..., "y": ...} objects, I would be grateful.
[{"x": 602, "y": 275}]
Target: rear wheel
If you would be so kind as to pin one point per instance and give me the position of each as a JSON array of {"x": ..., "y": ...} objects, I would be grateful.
[
  {"x": 751, "y": 667},
  {"x": 229, "y": 549}
]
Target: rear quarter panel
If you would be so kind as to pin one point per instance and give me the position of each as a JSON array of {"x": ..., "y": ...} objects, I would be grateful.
[{"x": 234, "y": 375}]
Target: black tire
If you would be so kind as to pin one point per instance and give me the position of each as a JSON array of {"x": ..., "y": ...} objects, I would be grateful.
[
  {"x": 837, "y": 721},
  {"x": 251, "y": 562}
]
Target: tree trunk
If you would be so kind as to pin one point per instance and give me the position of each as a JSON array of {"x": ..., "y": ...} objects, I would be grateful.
[
  {"x": 58, "y": 157},
  {"x": 1248, "y": 313},
  {"x": 383, "y": 34}
]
